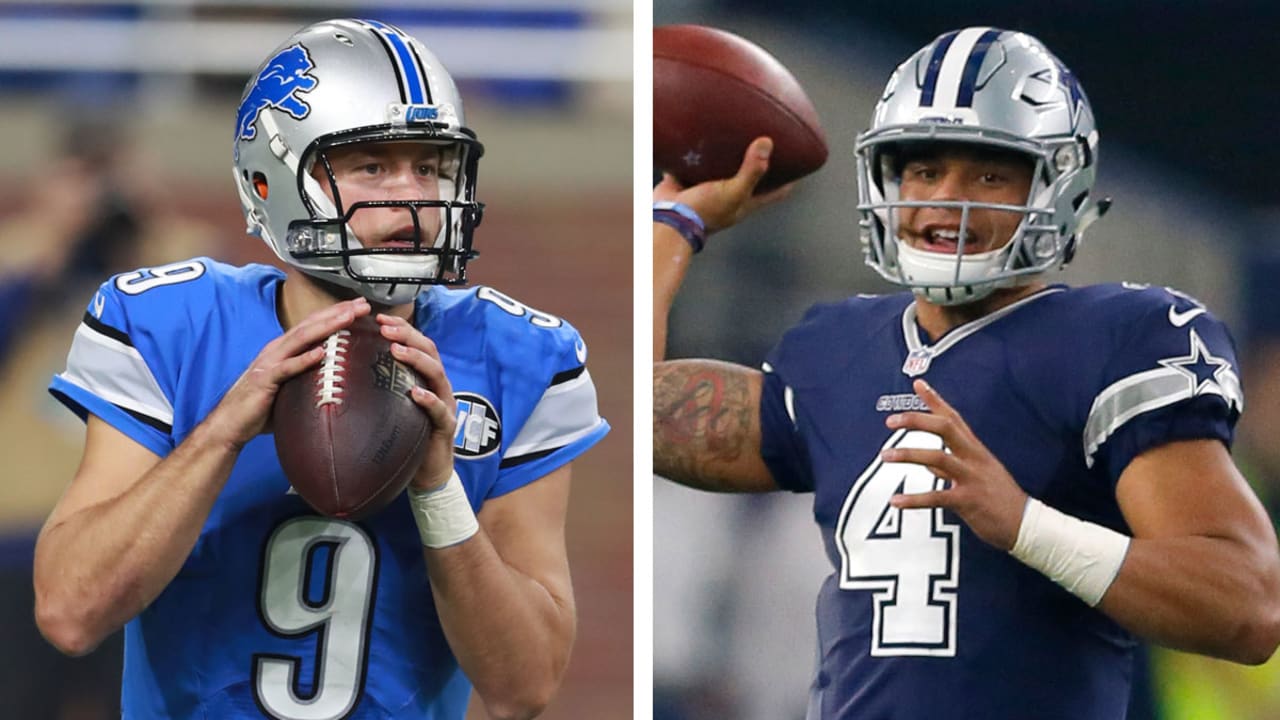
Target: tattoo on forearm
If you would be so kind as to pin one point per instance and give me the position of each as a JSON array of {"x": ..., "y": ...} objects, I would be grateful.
[{"x": 702, "y": 418}]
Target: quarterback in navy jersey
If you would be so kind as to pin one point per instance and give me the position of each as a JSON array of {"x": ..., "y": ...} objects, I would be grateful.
[
  {"x": 1014, "y": 480},
  {"x": 354, "y": 164}
]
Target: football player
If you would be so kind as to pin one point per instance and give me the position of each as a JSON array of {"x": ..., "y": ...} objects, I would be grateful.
[
  {"x": 355, "y": 165},
  {"x": 1013, "y": 479}
]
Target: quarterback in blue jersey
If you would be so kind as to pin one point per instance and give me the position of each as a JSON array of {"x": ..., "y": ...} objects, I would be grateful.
[
  {"x": 1014, "y": 480},
  {"x": 354, "y": 164}
]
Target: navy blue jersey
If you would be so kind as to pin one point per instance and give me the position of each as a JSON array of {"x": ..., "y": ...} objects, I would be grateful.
[
  {"x": 279, "y": 612},
  {"x": 921, "y": 618}
]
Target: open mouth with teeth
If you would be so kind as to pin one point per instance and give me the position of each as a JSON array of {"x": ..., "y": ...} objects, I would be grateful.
[
  {"x": 404, "y": 237},
  {"x": 947, "y": 240}
]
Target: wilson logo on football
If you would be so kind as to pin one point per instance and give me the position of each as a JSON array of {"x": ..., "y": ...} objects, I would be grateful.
[{"x": 479, "y": 431}]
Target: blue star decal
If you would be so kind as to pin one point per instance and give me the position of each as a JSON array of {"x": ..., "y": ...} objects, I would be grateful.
[
  {"x": 1202, "y": 369},
  {"x": 1075, "y": 93}
]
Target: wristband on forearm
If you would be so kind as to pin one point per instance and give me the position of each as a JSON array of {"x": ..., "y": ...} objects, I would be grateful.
[
  {"x": 684, "y": 220},
  {"x": 444, "y": 515},
  {"x": 1082, "y": 557}
]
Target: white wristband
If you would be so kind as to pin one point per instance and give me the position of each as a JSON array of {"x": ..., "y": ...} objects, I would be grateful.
[
  {"x": 1082, "y": 557},
  {"x": 443, "y": 514}
]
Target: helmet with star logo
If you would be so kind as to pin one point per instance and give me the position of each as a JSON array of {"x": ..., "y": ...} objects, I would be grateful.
[{"x": 993, "y": 89}]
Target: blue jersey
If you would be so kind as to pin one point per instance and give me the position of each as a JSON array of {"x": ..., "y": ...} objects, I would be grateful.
[
  {"x": 279, "y": 612},
  {"x": 922, "y": 619}
]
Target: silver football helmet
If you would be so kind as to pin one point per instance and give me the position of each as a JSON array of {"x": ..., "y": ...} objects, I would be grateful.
[
  {"x": 992, "y": 88},
  {"x": 334, "y": 84}
]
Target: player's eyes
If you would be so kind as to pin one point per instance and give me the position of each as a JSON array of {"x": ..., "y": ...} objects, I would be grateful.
[
  {"x": 921, "y": 172},
  {"x": 428, "y": 169}
]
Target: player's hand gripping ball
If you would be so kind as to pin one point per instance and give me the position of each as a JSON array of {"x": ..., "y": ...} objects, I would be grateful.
[
  {"x": 348, "y": 434},
  {"x": 713, "y": 93}
]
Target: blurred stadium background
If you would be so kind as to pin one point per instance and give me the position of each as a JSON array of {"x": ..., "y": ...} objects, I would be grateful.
[
  {"x": 116, "y": 122},
  {"x": 1185, "y": 107}
]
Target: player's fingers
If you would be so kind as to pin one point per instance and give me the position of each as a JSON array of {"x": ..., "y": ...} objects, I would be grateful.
[
  {"x": 316, "y": 327},
  {"x": 937, "y": 424},
  {"x": 954, "y": 433},
  {"x": 937, "y": 404},
  {"x": 295, "y": 365},
  {"x": 668, "y": 188},
  {"x": 429, "y": 368},
  {"x": 399, "y": 330},
  {"x": 755, "y": 163},
  {"x": 443, "y": 417},
  {"x": 912, "y": 501},
  {"x": 939, "y": 462}
]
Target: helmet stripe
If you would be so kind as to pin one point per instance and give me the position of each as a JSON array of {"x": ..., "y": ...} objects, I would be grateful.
[
  {"x": 970, "y": 78},
  {"x": 952, "y": 62},
  {"x": 940, "y": 47},
  {"x": 422, "y": 69},
  {"x": 409, "y": 71}
]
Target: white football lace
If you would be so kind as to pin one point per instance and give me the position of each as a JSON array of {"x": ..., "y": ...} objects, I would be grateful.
[{"x": 329, "y": 381}]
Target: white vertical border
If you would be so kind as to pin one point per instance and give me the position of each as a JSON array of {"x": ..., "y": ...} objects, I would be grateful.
[{"x": 642, "y": 552}]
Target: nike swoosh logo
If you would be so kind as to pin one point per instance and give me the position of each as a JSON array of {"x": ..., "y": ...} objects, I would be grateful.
[
  {"x": 1178, "y": 319},
  {"x": 98, "y": 303},
  {"x": 581, "y": 351}
]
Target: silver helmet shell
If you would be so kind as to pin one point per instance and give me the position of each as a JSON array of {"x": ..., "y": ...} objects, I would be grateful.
[
  {"x": 337, "y": 83},
  {"x": 990, "y": 88}
]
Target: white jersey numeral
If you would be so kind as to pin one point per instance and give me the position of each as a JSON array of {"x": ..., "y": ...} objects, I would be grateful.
[
  {"x": 908, "y": 559},
  {"x": 340, "y": 616},
  {"x": 514, "y": 307},
  {"x": 140, "y": 281}
]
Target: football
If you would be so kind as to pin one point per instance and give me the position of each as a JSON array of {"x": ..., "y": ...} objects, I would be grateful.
[
  {"x": 713, "y": 93},
  {"x": 347, "y": 432}
]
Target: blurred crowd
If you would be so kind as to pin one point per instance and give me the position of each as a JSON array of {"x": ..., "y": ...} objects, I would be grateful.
[{"x": 92, "y": 210}]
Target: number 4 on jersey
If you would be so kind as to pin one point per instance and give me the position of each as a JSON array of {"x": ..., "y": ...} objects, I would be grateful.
[{"x": 908, "y": 559}]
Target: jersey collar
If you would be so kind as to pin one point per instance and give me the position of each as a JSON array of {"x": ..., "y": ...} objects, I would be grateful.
[{"x": 920, "y": 354}]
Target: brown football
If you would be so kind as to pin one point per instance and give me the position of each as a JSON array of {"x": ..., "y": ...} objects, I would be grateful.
[
  {"x": 713, "y": 93},
  {"x": 347, "y": 432}
]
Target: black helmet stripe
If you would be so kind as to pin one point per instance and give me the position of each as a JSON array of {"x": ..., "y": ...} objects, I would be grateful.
[{"x": 410, "y": 70}]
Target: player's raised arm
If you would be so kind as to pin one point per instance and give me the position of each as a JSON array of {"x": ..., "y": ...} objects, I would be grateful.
[
  {"x": 706, "y": 426},
  {"x": 684, "y": 217}
]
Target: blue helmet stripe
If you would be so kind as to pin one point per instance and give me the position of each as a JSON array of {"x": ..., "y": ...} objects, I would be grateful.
[
  {"x": 971, "y": 67},
  {"x": 409, "y": 70},
  {"x": 935, "y": 64}
]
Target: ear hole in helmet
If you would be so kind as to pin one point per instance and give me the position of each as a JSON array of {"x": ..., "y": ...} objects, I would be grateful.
[{"x": 260, "y": 185}]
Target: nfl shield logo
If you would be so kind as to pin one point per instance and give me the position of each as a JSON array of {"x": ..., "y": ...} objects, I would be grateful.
[{"x": 917, "y": 362}]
